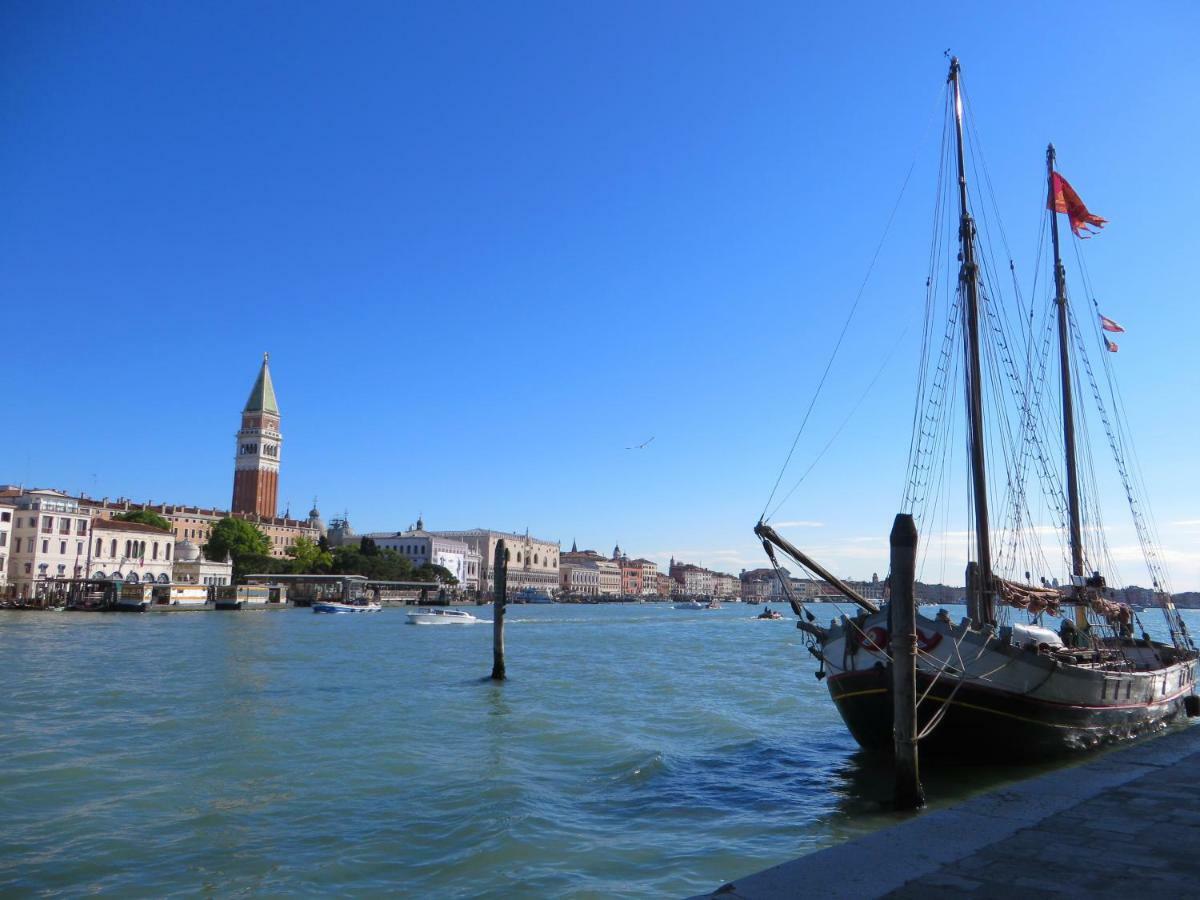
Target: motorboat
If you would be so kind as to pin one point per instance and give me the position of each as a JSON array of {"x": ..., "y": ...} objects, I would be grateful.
[
  {"x": 428, "y": 616},
  {"x": 337, "y": 606},
  {"x": 690, "y": 604},
  {"x": 770, "y": 614}
]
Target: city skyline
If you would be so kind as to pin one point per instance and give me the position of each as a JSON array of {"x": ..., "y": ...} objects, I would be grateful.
[{"x": 489, "y": 253}]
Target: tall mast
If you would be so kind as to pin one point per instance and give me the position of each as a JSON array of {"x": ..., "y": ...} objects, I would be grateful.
[
  {"x": 1064, "y": 365},
  {"x": 980, "y": 604}
]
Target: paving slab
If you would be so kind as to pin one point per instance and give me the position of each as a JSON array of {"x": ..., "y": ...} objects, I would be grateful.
[{"x": 1123, "y": 824}]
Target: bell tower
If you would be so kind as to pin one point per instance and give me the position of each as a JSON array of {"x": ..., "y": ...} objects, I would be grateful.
[{"x": 256, "y": 465}]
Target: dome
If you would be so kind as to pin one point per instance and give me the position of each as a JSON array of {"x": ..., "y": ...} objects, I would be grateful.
[
  {"x": 314, "y": 520},
  {"x": 186, "y": 551}
]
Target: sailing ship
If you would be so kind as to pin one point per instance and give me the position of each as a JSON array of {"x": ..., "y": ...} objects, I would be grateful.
[{"x": 992, "y": 686}]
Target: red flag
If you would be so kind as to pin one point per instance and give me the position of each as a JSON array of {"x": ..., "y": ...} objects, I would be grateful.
[
  {"x": 1109, "y": 325},
  {"x": 1063, "y": 199},
  {"x": 1110, "y": 346}
]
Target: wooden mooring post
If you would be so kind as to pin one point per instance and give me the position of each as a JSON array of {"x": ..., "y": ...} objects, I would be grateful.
[
  {"x": 500, "y": 580},
  {"x": 902, "y": 615}
]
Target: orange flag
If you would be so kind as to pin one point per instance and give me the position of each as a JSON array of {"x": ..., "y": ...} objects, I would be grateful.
[{"x": 1063, "y": 199}]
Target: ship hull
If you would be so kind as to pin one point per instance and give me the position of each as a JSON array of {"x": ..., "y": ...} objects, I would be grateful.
[
  {"x": 998, "y": 701},
  {"x": 983, "y": 724}
]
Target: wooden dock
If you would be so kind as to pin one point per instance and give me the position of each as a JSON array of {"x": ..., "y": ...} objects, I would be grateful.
[{"x": 1123, "y": 824}]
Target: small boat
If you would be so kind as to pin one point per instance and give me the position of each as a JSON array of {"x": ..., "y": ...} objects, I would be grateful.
[
  {"x": 427, "y": 616},
  {"x": 533, "y": 595},
  {"x": 690, "y": 604},
  {"x": 337, "y": 606},
  {"x": 769, "y": 614},
  {"x": 712, "y": 604}
]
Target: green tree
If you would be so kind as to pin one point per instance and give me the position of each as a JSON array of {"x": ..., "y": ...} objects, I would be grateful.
[
  {"x": 381, "y": 565},
  {"x": 308, "y": 557},
  {"x": 241, "y": 540},
  {"x": 144, "y": 517},
  {"x": 434, "y": 572}
]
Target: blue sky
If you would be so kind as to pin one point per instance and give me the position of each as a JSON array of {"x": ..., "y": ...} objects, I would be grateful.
[{"x": 491, "y": 246}]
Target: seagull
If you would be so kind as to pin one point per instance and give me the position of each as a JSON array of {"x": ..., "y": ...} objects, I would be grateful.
[{"x": 642, "y": 445}]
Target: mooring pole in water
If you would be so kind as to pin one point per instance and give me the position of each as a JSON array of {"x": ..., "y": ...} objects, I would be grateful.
[
  {"x": 500, "y": 580},
  {"x": 902, "y": 613}
]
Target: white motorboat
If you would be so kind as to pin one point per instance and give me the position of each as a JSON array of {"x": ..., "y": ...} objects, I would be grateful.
[
  {"x": 427, "y": 616},
  {"x": 690, "y": 604},
  {"x": 336, "y": 606}
]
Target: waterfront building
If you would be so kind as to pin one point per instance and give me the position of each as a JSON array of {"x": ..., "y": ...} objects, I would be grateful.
[
  {"x": 129, "y": 551},
  {"x": 608, "y": 572},
  {"x": 419, "y": 547},
  {"x": 663, "y": 584},
  {"x": 256, "y": 465},
  {"x": 694, "y": 580},
  {"x": 631, "y": 576},
  {"x": 726, "y": 586},
  {"x": 191, "y": 567},
  {"x": 649, "y": 576},
  {"x": 762, "y": 585},
  {"x": 579, "y": 578},
  {"x": 49, "y": 537},
  {"x": 7, "y": 512},
  {"x": 532, "y": 562},
  {"x": 195, "y": 523}
]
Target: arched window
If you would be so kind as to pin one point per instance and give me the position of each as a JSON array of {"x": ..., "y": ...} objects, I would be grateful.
[
  {"x": 132, "y": 578},
  {"x": 99, "y": 575},
  {"x": 99, "y": 546},
  {"x": 162, "y": 579},
  {"x": 518, "y": 556},
  {"x": 535, "y": 559},
  {"x": 168, "y": 551},
  {"x": 113, "y": 549},
  {"x": 117, "y": 576},
  {"x": 128, "y": 549}
]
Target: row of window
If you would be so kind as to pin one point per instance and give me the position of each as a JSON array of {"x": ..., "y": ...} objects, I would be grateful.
[
  {"x": 536, "y": 560},
  {"x": 64, "y": 524}
]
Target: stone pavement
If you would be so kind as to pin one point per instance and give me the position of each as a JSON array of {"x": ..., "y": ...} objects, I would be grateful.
[{"x": 1125, "y": 823}]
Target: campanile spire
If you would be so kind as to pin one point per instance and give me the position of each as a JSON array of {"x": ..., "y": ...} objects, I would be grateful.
[{"x": 256, "y": 465}]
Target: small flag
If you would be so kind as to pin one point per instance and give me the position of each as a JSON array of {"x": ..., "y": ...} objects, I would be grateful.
[
  {"x": 1063, "y": 199},
  {"x": 1110, "y": 346},
  {"x": 1109, "y": 325}
]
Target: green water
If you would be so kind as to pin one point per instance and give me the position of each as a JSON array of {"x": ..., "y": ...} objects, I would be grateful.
[{"x": 636, "y": 751}]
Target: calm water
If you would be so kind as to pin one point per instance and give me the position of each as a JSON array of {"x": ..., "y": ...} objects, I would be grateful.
[{"x": 635, "y": 751}]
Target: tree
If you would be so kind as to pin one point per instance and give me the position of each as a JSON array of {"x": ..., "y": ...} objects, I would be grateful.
[
  {"x": 434, "y": 572},
  {"x": 368, "y": 547},
  {"x": 382, "y": 565},
  {"x": 143, "y": 517},
  {"x": 240, "y": 539},
  {"x": 309, "y": 557}
]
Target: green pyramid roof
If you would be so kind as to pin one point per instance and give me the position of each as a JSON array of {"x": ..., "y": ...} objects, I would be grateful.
[{"x": 262, "y": 395}]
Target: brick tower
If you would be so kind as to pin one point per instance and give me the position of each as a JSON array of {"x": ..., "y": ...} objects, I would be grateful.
[{"x": 256, "y": 466}]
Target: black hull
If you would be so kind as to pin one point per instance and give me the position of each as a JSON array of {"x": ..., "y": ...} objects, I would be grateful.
[{"x": 985, "y": 724}]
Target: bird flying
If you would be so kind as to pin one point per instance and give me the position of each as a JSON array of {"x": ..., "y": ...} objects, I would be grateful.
[{"x": 642, "y": 445}]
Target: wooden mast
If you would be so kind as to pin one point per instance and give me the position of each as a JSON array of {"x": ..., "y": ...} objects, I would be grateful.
[
  {"x": 979, "y": 599},
  {"x": 1068, "y": 408}
]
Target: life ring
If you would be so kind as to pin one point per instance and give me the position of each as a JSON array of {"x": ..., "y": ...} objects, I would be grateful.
[{"x": 875, "y": 639}]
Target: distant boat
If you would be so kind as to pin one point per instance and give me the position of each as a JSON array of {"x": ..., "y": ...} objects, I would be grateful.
[
  {"x": 769, "y": 614},
  {"x": 336, "y": 606},
  {"x": 690, "y": 604},
  {"x": 428, "y": 616},
  {"x": 533, "y": 595}
]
